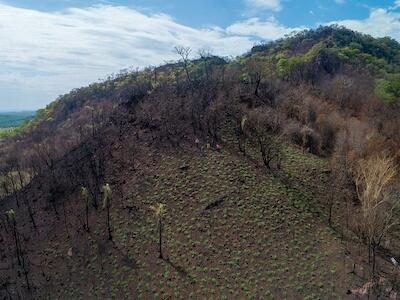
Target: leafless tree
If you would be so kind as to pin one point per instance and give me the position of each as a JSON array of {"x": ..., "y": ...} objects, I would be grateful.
[
  {"x": 263, "y": 127},
  {"x": 205, "y": 56},
  {"x": 184, "y": 53},
  {"x": 86, "y": 198}
]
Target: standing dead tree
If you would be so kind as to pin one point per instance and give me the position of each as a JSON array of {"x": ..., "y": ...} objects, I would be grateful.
[
  {"x": 46, "y": 154},
  {"x": 375, "y": 182},
  {"x": 159, "y": 211},
  {"x": 12, "y": 220},
  {"x": 10, "y": 180},
  {"x": 263, "y": 127},
  {"x": 22, "y": 261},
  {"x": 86, "y": 198},
  {"x": 184, "y": 53}
]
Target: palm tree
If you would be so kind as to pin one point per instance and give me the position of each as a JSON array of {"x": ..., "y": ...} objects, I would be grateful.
[{"x": 107, "y": 193}]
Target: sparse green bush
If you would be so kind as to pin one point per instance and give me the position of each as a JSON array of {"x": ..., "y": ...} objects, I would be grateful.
[{"x": 388, "y": 89}]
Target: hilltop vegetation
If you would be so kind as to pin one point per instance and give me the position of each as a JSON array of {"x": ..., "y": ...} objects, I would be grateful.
[{"x": 276, "y": 173}]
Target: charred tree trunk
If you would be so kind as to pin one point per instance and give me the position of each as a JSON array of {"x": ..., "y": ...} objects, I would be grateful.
[
  {"x": 160, "y": 228},
  {"x": 109, "y": 222}
]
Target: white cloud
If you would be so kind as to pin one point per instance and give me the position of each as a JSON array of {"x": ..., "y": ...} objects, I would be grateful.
[
  {"x": 380, "y": 22},
  {"x": 396, "y": 4},
  {"x": 274, "y": 5},
  {"x": 268, "y": 30},
  {"x": 43, "y": 54}
]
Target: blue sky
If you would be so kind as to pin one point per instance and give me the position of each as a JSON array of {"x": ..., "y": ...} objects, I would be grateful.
[{"x": 51, "y": 46}]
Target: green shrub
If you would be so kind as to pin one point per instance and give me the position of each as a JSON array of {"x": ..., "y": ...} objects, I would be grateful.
[{"x": 388, "y": 89}]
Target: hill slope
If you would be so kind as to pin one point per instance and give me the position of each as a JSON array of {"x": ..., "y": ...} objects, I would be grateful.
[
  {"x": 255, "y": 160},
  {"x": 231, "y": 230}
]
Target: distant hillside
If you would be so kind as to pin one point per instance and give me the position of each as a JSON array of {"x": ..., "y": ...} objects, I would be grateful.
[{"x": 14, "y": 119}]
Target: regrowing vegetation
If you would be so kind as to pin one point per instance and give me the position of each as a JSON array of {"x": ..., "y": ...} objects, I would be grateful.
[{"x": 272, "y": 175}]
